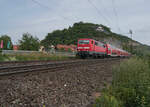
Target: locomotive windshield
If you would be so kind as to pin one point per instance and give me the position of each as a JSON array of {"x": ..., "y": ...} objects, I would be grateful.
[{"x": 84, "y": 41}]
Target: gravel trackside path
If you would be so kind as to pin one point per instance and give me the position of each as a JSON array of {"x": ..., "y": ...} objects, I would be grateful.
[{"x": 70, "y": 87}]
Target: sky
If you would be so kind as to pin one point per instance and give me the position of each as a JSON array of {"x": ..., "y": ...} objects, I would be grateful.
[{"x": 40, "y": 17}]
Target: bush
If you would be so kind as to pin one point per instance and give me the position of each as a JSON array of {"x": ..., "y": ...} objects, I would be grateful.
[
  {"x": 28, "y": 57},
  {"x": 69, "y": 50},
  {"x": 4, "y": 57},
  {"x": 33, "y": 56},
  {"x": 107, "y": 101},
  {"x": 62, "y": 49},
  {"x": 130, "y": 85}
]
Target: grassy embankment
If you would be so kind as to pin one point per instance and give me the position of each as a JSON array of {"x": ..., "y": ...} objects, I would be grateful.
[
  {"x": 130, "y": 86},
  {"x": 34, "y": 56}
]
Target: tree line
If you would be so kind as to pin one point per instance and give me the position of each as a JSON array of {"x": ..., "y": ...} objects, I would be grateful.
[{"x": 27, "y": 42}]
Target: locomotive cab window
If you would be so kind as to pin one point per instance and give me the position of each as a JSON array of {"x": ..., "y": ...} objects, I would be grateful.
[{"x": 84, "y": 41}]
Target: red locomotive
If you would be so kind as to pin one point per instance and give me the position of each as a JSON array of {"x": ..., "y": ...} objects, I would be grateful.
[{"x": 92, "y": 48}]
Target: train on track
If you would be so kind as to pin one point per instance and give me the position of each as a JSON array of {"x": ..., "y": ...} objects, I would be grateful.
[{"x": 91, "y": 48}]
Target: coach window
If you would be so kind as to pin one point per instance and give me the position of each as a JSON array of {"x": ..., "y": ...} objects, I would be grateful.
[
  {"x": 104, "y": 46},
  {"x": 100, "y": 44},
  {"x": 96, "y": 43}
]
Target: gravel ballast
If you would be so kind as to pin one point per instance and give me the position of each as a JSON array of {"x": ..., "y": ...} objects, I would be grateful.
[{"x": 72, "y": 87}]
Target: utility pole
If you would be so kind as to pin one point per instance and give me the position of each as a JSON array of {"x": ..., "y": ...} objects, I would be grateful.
[{"x": 130, "y": 32}]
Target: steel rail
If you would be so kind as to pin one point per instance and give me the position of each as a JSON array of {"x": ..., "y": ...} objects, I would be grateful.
[
  {"x": 39, "y": 67},
  {"x": 13, "y": 63}
]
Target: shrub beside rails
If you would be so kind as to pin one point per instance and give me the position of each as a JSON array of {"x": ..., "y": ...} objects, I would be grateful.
[{"x": 91, "y": 48}]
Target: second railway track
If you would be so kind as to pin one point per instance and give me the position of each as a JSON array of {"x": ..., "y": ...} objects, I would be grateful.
[{"x": 9, "y": 70}]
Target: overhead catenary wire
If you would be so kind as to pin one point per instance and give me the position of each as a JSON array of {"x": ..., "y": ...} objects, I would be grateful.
[
  {"x": 46, "y": 7},
  {"x": 99, "y": 12},
  {"x": 116, "y": 15},
  {"x": 41, "y": 5},
  {"x": 105, "y": 9}
]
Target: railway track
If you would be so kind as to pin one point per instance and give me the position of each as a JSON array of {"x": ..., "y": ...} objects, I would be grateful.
[
  {"x": 18, "y": 62},
  {"x": 16, "y": 69},
  {"x": 15, "y": 63}
]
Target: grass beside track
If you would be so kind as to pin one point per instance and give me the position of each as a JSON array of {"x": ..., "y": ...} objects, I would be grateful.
[
  {"x": 31, "y": 57},
  {"x": 130, "y": 85}
]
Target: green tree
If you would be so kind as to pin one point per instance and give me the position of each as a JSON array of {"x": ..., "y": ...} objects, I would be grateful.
[
  {"x": 72, "y": 34},
  {"x": 6, "y": 40},
  {"x": 28, "y": 42}
]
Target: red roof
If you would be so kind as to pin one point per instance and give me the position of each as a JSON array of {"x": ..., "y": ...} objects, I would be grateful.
[
  {"x": 66, "y": 47},
  {"x": 15, "y": 47}
]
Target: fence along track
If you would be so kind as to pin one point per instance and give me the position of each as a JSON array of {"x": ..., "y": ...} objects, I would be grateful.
[{"x": 41, "y": 67}]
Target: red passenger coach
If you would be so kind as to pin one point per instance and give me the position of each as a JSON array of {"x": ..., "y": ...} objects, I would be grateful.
[
  {"x": 112, "y": 50},
  {"x": 90, "y": 48},
  {"x": 116, "y": 52}
]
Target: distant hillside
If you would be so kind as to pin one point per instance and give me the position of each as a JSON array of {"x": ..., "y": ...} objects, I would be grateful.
[{"x": 95, "y": 31}]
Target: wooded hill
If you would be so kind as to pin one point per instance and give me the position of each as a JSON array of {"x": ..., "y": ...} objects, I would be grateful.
[{"x": 95, "y": 31}]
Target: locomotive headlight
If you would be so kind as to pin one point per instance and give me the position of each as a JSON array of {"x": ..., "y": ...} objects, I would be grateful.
[
  {"x": 83, "y": 47},
  {"x": 86, "y": 47}
]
